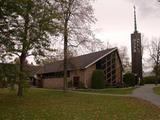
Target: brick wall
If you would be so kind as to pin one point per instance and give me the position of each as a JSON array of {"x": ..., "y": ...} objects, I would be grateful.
[
  {"x": 85, "y": 77},
  {"x": 77, "y": 73},
  {"x": 56, "y": 83},
  {"x": 88, "y": 75},
  {"x": 118, "y": 70}
]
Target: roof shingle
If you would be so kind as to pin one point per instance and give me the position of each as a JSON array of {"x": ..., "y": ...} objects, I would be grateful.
[{"x": 79, "y": 62}]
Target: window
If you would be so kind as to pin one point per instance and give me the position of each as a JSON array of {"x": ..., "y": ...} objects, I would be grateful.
[
  {"x": 101, "y": 64},
  {"x": 55, "y": 75},
  {"x": 76, "y": 82}
]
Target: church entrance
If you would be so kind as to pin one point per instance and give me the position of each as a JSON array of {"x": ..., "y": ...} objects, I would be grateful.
[{"x": 76, "y": 82}]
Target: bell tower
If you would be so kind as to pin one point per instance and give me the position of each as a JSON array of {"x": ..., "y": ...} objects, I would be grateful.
[{"x": 136, "y": 50}]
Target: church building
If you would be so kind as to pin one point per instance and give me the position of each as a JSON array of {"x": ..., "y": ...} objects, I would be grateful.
[
  {"x": 80, "y": 70},
  {"x": 136, "y": 50}
]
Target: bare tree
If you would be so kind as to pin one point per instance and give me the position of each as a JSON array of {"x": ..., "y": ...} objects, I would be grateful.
[
  {"x": 93, "y": 46},
  {"x": 76, "y": 17},
  {"x": 154, "y": 49},
  {"x": 2, "y": 51},
  {"x": 124, "y": 57},
  {"x": 144, "y": 45},
  {"x": 57, "y": 56},
  {"x": 108, "y": 45}
]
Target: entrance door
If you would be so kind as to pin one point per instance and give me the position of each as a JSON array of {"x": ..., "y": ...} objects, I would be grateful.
[{"x": 76, "y": 82}]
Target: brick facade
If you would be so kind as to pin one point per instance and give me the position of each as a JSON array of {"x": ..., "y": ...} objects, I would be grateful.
[
  {"x": 77, "y": 73},
  {"x": 81, "y": 76},
  {"x": 88, "y": 75},
  {"x": 119, "y": 70},
  {"x": 56, "y": 83},
  {"x": 84, "y": 75}
]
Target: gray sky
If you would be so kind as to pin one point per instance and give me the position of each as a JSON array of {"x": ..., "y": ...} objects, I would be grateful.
[{"x": 115, "y": 20}]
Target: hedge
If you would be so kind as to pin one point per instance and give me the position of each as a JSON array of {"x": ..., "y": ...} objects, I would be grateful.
[
  {"x": 150, "y": 80},
  {"x": 129, "y": 79},
  {"x": 98, "y": 79}
]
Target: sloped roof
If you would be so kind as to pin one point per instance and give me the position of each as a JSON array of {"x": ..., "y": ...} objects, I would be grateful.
[
  {"x": 79, "y": 62},
  {"x": 33, "y": 70}
]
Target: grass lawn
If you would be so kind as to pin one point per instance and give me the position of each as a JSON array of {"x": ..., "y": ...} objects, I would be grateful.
[
  {"x": 157, "y": 90},
  {"x": 121, "y": 91},
  {"x": 39, "y": 104}
]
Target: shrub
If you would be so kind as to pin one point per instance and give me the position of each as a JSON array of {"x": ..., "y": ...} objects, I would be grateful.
[
  {"x": 150, "y": 80},
  {"x": 129, "y": 79},
  {"x": 98, "y": 79},
  {"x": 70, "y": 84}
]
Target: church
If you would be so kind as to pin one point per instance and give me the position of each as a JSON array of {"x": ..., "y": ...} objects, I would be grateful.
[
  {"x": 136, "y": 50},
  {"x": 80, "y": 70}
]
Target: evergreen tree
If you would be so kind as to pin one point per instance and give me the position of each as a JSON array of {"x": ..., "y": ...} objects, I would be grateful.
[{"x": 26, "y": 27}]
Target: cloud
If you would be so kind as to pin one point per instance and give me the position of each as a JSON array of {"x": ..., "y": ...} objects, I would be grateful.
[{"x": 147, "y": 8}]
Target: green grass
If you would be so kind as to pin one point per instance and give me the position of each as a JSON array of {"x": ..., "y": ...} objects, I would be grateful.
[
  {"x": 121, "y": 91},
  {"x": 39, "y": 104},
  {"x": 157, "y": 90}
]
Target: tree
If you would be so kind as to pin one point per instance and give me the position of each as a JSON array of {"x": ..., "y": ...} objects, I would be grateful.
[
  {"x": 94, "y": 45},
  {"x": 98, "y": 79},
  {"x": 124, "y": 57},
  {"x": 2, "y": 77},
  {"x": 1, "y": 53},
  {"x": 56, "y": 56},
  {"x": 8, "y": 75},
  {"x": 129, "y": 79},
  {"x": 154, "y": 49},
  {"x": 26, "y": 27},
  {"x": 76, "y": 17}
]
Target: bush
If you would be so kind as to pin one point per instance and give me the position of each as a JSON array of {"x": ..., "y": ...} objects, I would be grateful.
[
  {"x": 70, "y": 84},
  {"x": 98, "y": 79},
  {"x": 150, "y": 80},
  {"x": 129, "y": 79}
]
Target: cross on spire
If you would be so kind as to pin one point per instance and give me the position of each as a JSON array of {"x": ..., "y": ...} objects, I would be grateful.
[{"x": 135, "y": 19}]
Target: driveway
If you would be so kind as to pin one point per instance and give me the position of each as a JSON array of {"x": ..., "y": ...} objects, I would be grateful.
[{"x": 146, "y": 93}]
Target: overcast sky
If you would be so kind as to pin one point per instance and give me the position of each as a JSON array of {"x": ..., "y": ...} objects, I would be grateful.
[
  {"x": 115, "y": 20},
  {"x": 116, "y": 23}
]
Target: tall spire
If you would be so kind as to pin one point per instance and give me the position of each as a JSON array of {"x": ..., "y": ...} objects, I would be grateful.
[{"x": 135, "y": 19}]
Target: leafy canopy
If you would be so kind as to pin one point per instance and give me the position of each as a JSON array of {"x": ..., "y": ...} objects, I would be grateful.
[{"x": 26, "y": 26}]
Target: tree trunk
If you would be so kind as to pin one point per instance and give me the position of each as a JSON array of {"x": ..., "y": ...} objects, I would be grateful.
[
  {"x": 23, "y": 55},
  {"x": 20, "y": 89},
  {"x": 156, "y": 72},
  {"x": 65, "y": 55},
  {"x": 156, "y": 69},
  {"x": 20, "y": 81}
]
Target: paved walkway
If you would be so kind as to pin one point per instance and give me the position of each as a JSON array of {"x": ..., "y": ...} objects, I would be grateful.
[
  {"x": 103, "y": 94},
  {"x": 146, "y": 93}
]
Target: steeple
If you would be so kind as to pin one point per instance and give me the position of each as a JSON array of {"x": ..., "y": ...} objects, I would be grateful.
[
  {"x": 135, "y": 20},
  {"x": 136, "y": 50}
]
